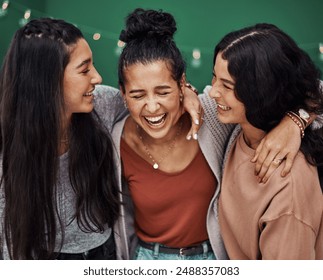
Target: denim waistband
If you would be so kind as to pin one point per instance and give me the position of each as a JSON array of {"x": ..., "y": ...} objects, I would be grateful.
[{"x": 204, "y": 247}]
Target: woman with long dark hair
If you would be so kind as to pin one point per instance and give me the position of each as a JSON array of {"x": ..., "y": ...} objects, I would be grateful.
[
  {"x": 59, "y": 197},
  {"x": 260, "y": 75}
]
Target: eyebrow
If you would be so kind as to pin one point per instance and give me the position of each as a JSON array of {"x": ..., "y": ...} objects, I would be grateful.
[
  {"x": 224, "y": 80},
  {"x": 87, "y": 61},
  {"x": 142, "y": 90},
  {"x": 227, "y": 81}
]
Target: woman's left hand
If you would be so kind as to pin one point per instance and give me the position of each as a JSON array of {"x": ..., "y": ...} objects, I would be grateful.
[{"x": 193, "y": 106}]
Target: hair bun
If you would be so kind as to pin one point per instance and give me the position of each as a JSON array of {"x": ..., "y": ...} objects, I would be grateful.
[{"x": 148, "y": 24}]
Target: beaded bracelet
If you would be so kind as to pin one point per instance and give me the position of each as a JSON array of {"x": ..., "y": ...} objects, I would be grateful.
[
  {"x": 297, "y": 116},
  {"x": 296, "y": 120},
  {"x": 188, "y": 85}
]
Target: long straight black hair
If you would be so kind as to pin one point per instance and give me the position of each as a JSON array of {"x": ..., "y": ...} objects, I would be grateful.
[{"x": 31, "y": 107}]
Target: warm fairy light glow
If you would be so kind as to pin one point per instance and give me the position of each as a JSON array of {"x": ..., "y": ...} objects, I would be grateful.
[
  {"x": 96, "y": 36},
  {"x": 27, "y": 14},
  {"x": 196, "y": 54},
  {"x": 321, "y": 48},
  {"x": 120, "y": 44},
  {"x": 5, "y": 5}
]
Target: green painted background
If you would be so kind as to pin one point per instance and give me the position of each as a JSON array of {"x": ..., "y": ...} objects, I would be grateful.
[{"x": 201, "y": 23}]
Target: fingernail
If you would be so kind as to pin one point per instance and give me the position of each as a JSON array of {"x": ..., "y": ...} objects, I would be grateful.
[
  {"x": 195, "y": 136},
  {"x": 283, "y": 173},
  {"x": 188, "y": 137},
  {"x": 197, "y": 122}
]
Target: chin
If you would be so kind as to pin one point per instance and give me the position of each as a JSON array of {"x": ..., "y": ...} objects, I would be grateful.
[{"x": 89, "y": 109}]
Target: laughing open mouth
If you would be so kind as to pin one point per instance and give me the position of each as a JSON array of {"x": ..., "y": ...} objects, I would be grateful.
[
  {"x": 156, "y": 120},
  {"x": 223, "y": 107}
]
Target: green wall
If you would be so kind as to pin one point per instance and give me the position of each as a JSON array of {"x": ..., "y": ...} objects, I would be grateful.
[{"x": 201, "y": 23}]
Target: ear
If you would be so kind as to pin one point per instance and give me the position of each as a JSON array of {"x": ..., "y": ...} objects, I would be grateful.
[
  {"x": 122, "y": 92},
  {"x": 183, "y": 82}
]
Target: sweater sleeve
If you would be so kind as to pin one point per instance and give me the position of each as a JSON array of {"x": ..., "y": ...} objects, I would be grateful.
[
  {"x": 287, "y": 238},
  {"x": 109, "y": 105}
]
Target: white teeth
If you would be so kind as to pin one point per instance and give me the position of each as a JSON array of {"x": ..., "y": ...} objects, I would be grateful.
[
  {"x": 155, "y": 120},
  {"x": 223, "y": 107},
  {"x": 88, "y": 94}
]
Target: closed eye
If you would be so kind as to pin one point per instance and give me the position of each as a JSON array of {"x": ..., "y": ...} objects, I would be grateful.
[
  {"x": 85, "y": 71},
  {"x": 227, "y": 87},
  {"x": 136, "y": 96},
  {"x": 163, "y": 93}
]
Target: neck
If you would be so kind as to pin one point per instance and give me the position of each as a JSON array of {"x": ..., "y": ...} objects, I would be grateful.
[
  {"x": 177, "y": 129},
  {"x": 170, "y": 144},
  {"x": 252, "y": 135}
]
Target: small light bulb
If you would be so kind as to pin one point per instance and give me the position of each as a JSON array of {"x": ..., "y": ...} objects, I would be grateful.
[
  {"x": 120, "y": 44},
  {"x": 321, "y": 48},
  {"x": 96, "y": 36},
  {"x": 27, "y": 14},
  {"x": 196, "y": 54},
  {"x": 5, "y": 5}
]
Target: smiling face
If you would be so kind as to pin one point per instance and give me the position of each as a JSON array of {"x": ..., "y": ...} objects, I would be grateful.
[
  {"x": 80, "y": 78},
  {"x": 153, "y": 98},
  {"x": 230, "y": 109}
]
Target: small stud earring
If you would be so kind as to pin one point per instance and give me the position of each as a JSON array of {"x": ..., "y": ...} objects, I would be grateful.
[{"x": 125, "y": 103}]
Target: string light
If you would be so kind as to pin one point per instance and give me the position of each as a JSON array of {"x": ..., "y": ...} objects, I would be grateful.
[
  {"x": 27, "y": 14},
  {"x": 121, "y": 44},
  {"x": 321, "y": 48},
  {"x": 4, "y": 8},
  {"x": 96, "y": 36},
  {"x": 321, "y": 51},
  {"x": 23, "y": 21},
  {"x": 119, "y": 47},
  {"x": 196, "y": 53},
  {"x": 196, "y": 61}
]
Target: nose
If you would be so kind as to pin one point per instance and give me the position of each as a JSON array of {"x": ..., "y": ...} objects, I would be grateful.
[
  {"x": 152, "y": 105},
  {"x": 214, "y": 92},
  {"x": 96, "y": 79}
]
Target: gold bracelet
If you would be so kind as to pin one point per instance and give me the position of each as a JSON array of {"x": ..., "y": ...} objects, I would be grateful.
[
  {"x": 295, "y": 120},
  {"x": 188, "y": 85}
]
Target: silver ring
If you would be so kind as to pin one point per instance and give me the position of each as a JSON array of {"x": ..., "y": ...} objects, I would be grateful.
[{"x": 278, "y": 160}]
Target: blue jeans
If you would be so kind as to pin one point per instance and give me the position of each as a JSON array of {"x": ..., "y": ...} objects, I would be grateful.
[{"x": 147, "y": 254}]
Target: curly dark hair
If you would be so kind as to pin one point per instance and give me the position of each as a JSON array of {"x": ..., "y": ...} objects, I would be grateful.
[
  {"x": 149, "y": 37},
  {"x": 272, "y": 76}
]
